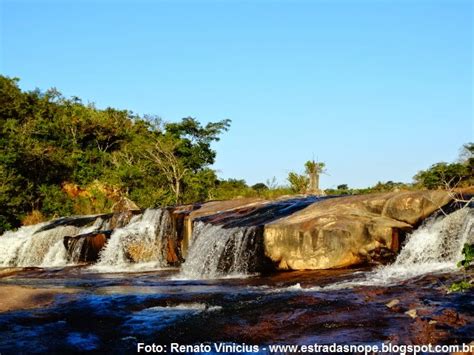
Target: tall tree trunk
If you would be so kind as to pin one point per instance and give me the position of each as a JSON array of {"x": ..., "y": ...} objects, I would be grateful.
[{"x": 177, "y": 188}]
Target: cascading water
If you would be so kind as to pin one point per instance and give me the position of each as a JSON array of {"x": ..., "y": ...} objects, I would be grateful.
[
  {"x": 230, "y": 243},
  {"x": 141, "y": 242},
  {"x": 39, "y": 246},
  {"x": 217, "y": 251},
  {"x": 436, "y": 246},
  {"x": 43, "y": 245}
]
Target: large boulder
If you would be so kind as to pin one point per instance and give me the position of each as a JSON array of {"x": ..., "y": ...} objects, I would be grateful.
[
  {"x": 346, "y": 231},
  {"x": 125, "y": 204}
]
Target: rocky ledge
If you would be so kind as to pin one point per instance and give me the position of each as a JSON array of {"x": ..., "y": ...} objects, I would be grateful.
[
  {"x": 294, "y": 233},
  {"x": 349, "y": 230}
]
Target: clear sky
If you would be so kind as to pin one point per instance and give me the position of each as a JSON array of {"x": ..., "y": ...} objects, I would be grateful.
[{"x": 376, "y": 89}]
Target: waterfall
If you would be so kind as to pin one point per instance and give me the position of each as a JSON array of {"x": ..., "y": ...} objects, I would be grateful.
[
  {"x": 435, "y": 246},
  {"x": 142, "y": 241},
  {"x": 217, "y": 251},
  {"x": 39, "y": 246}
]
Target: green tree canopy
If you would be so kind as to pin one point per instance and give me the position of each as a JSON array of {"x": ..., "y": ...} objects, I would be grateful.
[
  {"x": 449, "y": 175},
  {"x": 48, "y": 141}
]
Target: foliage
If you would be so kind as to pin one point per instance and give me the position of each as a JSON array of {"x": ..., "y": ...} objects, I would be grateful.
[
  {"x": 54, "y": 201},
  {"x": 234, "y": 188},
  {"x": 60, "y": 156},
  {"x": 465, "y": 264},
  {"x": 468, "y": 252},
  {"x": 260, "y": 187},
  {"x": 389, "y": 186},
  {"x": 312, "y": 167},
  {"x": 231, "y": 188},
  {"x": 298, "y": 183},
  {"x": 442, "y": 175},
  {"x": 34, "y": 217},
  {"x": 48, "y": 142},
  {"x": 449, "y": 175},
  {"x": 460, "y": 286}
]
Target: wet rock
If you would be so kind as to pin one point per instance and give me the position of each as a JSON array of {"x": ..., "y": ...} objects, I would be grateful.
[
  {"x": 393, "y": 303},
  {"x": 234, "y": 240},
  {"x": 86, "y": 247},
  {"x": 115, "y": 220},
  {"x": 76, "y": 221},
  {"x": 349, "y": 230},
  {"x": 156, "y": 242},
  {"x": 450, "y": 317},
  {"x": 210, "y": 208},
  {"x": 120, "y": 219},
  {"x": 140, "y": 252},
  {"x": 177, "y": 246},
  {"x": 15, "y": 297},
  {"x": 412, "y": 313}
]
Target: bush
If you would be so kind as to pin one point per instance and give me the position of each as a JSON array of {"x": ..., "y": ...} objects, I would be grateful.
[
  {"x": 465, "y": 264},
  {"x": 55, "y": 202},
  {"x": 34, "y": 217}
]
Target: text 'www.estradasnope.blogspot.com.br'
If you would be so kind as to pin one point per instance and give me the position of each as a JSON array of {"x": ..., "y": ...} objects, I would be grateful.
[{"x": 212, "y": 348}]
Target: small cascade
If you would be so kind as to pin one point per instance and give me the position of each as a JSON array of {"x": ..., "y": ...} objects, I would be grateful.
[
  {"x": 436, "y": 246},
  {"x": 141, "y": 241},
  {"x": 217, "y": 251},
  {"x": 76, "y": 248},
  {"x": 39, "y": 245}
]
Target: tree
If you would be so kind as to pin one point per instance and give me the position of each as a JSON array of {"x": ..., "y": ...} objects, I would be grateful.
[
  {"x": 442, "y": 175},
  {"x": 260, "y": 187},
  {"x": 308, "y": 182},
  {"x": 449, "y": 175},
  {"x": 162, "y": 153},
  {"x": 48, "y": 142},
  {"x": 194, "y": 146},
  {"x": 314, "y": 169},
  {"x": 298, "y": 183}
]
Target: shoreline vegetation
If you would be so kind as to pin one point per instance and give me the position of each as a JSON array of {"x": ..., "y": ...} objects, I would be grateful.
[{"x": 60, "y": 156}]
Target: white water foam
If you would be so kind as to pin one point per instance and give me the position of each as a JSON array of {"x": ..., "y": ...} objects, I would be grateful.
[
  {"x": 142, "y": 240},
  {"x": 218, "y": 252},
  {"x": 28, "y": 246},
  {"x": 435, "y": 247},
  {"x": 193, "y": 307}
]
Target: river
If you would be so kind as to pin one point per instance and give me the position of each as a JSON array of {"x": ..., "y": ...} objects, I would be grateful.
[{"x": 88, "y": 309}]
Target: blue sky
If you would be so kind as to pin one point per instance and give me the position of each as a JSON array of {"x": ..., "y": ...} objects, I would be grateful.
[{"x": 376, "y": 89}]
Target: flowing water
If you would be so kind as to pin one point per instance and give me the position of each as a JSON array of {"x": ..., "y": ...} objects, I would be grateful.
[
  {"x": 113, "y": 305},
  {"x": 434, "y": 247},
  {"x": 138, "y": 245},
  {"x": 37, "y": 246},
  {"x": 217, "y": 252}
]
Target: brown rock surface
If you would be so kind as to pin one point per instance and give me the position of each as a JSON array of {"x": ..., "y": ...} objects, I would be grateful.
[
  {"x": 13, "y": 297},
  {"x": 86, "y": 247},
  {"x": 346, "y": 231},
  {"x": 125, "y": 204}
]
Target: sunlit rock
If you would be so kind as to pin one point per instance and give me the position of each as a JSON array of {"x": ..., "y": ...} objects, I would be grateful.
[{"x": 349, "y": 230}]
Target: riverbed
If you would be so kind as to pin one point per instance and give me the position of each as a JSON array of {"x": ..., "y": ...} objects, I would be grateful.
[{"x": 77, "y": 309}]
